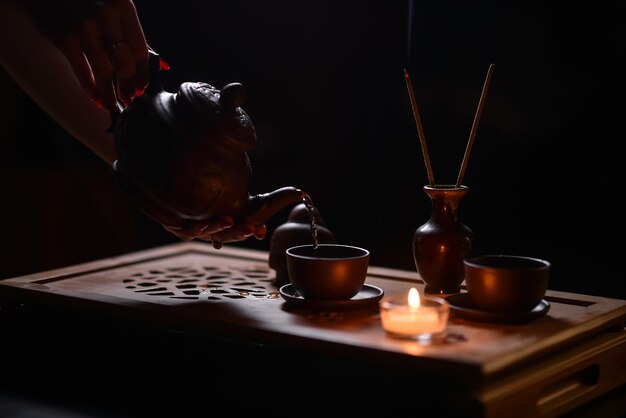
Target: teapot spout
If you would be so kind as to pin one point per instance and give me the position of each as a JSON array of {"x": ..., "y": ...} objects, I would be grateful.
[{"x": 264, "y": 206}]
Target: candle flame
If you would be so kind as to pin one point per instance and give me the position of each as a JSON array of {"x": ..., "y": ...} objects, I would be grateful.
[{"x": 414, "y": 298}]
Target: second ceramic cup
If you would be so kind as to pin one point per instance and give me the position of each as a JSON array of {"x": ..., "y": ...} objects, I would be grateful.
[{"x": 506, "y": 283}]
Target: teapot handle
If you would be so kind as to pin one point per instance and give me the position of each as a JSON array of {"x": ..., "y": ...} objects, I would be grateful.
[{"x": 156, "y": 64}]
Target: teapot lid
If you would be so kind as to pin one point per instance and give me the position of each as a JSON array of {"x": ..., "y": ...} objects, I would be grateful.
[{"x": 218, "y": 112}]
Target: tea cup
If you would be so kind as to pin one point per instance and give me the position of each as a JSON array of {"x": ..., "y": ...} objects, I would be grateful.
[
  {"x": 328, "y": 271},
  {"x": 506, "y": 283}
]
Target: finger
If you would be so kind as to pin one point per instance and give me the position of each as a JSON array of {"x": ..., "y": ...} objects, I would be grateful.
[
  {"x": 184, "y": 234},
  {"x": 188, "y": 233},
  {"x": 134, "y": 35},
  {"x": 239, "y": 232},
  {"x": 142, "y": 73},
  {"x": 99, "y": 62},
  {"x": 72, "y": 50},
  {"x": 202, "y": 229},
  {"x": 119, "y": 51},
  {"x": 216, "y": 225},
  {"x": 124, "y": 68},
  {"x": 260, "y": 232}
]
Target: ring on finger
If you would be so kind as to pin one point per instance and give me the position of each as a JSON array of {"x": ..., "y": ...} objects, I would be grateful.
[{"x": 116, "y": 45}]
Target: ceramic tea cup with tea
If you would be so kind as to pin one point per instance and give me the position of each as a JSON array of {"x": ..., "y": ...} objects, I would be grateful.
[
  {"x": 506, "y": 283},
  {"x": 328, "y": 272}
]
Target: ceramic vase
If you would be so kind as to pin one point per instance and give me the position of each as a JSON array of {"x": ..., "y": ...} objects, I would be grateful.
[{"x": 442, "y": 244}]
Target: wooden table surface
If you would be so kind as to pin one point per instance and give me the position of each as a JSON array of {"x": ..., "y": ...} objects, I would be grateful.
[{"x": 571, "y": 355}]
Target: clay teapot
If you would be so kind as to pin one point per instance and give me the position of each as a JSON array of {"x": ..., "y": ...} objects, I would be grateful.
[{"x": 182, "y": 156}]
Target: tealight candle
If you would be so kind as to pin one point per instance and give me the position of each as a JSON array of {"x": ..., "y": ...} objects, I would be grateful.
[{"x": 414, "y": 319}]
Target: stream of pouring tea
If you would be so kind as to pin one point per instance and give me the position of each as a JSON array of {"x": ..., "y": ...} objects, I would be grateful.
[{"x": 308, "y": 202}]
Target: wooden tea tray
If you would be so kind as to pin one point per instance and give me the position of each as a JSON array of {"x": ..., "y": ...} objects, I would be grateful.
[{"x": 553, "y": 364}]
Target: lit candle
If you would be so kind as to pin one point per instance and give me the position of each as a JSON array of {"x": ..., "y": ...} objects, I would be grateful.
[{"x": 414, "y": 319}]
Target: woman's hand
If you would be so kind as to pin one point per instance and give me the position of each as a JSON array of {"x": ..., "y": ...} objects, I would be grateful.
[
  {"x": 103, "y": 41},
  {"x": 220, "y": 230}
]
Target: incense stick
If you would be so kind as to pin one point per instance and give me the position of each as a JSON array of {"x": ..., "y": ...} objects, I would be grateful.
[
  {"x": 420, "y": 130},
  {"x": 479, "y": 111}
]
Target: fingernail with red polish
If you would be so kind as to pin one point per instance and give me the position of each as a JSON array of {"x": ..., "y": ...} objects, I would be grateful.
[{"x": 163, "y": 64}]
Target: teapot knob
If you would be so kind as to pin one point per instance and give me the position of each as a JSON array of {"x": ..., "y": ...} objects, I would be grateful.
[{"x": 232, "y": 96}]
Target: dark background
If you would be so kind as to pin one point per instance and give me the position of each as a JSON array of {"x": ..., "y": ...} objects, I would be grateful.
[{"x": 327, "y": 96}]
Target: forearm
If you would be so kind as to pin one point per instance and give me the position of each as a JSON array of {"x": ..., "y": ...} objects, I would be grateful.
[{"x": 45, "y": 75}]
